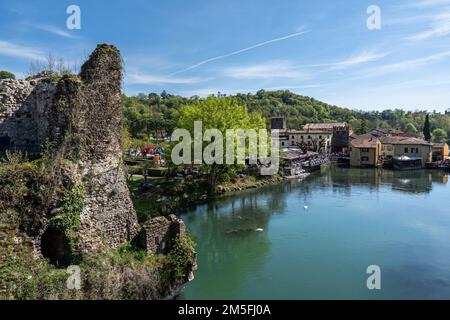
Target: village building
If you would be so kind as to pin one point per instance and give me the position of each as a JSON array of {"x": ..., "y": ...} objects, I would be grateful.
[
  {"x": 365, "y": 151},
  {"x": 402, "y": 148},
  {"x": 340, "y": 133},
  {"x": 439, "y": 152},
  {"x": 397, "y": 146},
  {"x": 389, "y": 132},
  {"x": 315, "y": 140},
  {"x": 324, "y": 138}
]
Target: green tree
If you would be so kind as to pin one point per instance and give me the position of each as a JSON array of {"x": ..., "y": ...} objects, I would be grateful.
[
  {"x": 6, "y": 75},
  {"x": 383, "y": 124},
  {"x": 426, "y": 128},
  {"x": 439, "y": 135},
  {"x": 363, "y": 128},
  {"x": 220, "y": 114},
  {"x": 411, "y": 128}
]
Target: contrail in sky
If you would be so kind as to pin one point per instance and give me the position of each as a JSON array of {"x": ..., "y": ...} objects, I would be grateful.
[{"x": 239, "y": 51}]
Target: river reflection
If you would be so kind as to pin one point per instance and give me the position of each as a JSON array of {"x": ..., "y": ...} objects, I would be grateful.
[
  {"x": 343, "y": 180},
  {"x": 232, "y": 237},
  {"x": 315, "y": 238}
]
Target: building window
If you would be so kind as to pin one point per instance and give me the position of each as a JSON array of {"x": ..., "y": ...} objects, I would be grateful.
[
  {"x": 406, "y": 150},
  {"x": 292, "y": 137},
  {"x": 309, "y": 137},
  {"x": 320, "y": 137},
  {"x": 417, "y": 150},
  {"x": 365, "y": 150},
  {"x": 364, "y": 158}
]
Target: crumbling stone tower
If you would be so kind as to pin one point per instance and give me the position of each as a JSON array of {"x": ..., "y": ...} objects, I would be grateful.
[
  {"x": 73, "y": 199},
  {"x": 84, "y": 131}
]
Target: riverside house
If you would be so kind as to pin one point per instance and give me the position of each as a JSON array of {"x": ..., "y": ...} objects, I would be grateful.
[
  {"x": 397, "y": 146},
  {"x": 319, "y": 137},
  {"x": 312, "y": 138},
  {"x": 369, "y": 150},
  {"x": 439, "y": 152},
  {"x": 365, "y": 151}
]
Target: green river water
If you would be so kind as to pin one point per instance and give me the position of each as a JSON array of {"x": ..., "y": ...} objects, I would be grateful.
[{"x": 319, "y": 236}]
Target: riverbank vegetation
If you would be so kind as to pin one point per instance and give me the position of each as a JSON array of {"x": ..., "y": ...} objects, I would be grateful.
[{"x": 165, "y": 196}]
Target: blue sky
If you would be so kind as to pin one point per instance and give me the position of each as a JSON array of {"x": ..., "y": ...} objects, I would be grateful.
[{"x": 317, "y": 48}]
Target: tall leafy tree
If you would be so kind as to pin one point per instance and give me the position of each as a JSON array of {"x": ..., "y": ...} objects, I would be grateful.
[
  {"x": 426, "y": 128},
  {"x": 221, "y": 114},
  {"x": 410, "y": 127},
  {"x": 439, "y": 135},
  {"x": 364, "y": 127}
]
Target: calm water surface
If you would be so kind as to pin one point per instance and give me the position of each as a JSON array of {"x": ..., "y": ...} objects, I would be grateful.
[{"x": 320, "y": 235}]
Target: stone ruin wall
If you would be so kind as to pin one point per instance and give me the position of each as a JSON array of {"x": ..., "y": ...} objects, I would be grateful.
[{"x": 23, "y": 114}]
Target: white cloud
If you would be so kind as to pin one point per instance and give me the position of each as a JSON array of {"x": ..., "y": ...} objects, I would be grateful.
[
  {"x": 440, "y": 27},
  {"x": 359, "y": 59},
  {"x": 410, "y": 19},
  {"x": 240, "y": 51},
  {"x": 19, "y": 51},
  {"x": 407, "y": 64},
  {"x": 138, "y": 78},
  {"x": 55, "y": 30},
  {"x": 355, "y": 60},
  {"x": 268, "y": 70},
  {"x": 429, "y": 3}
]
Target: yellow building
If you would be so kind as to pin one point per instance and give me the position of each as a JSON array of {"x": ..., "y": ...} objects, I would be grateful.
[
  {"x": 365, "y": 151},
  {"x": 406, "y": 146},
  {"x": 439, "y": 151}
]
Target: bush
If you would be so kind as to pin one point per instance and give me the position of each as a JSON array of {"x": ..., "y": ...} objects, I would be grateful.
[
  {"x": 28, "y": 188},
  {"x": 181, "y": 257}
]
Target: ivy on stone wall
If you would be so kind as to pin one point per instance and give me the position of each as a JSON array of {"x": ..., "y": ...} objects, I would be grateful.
[
  {"x": 68, "y": 222},
  {"x": 181, "y": 257},
  {"x": 68, "y": 218}
]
